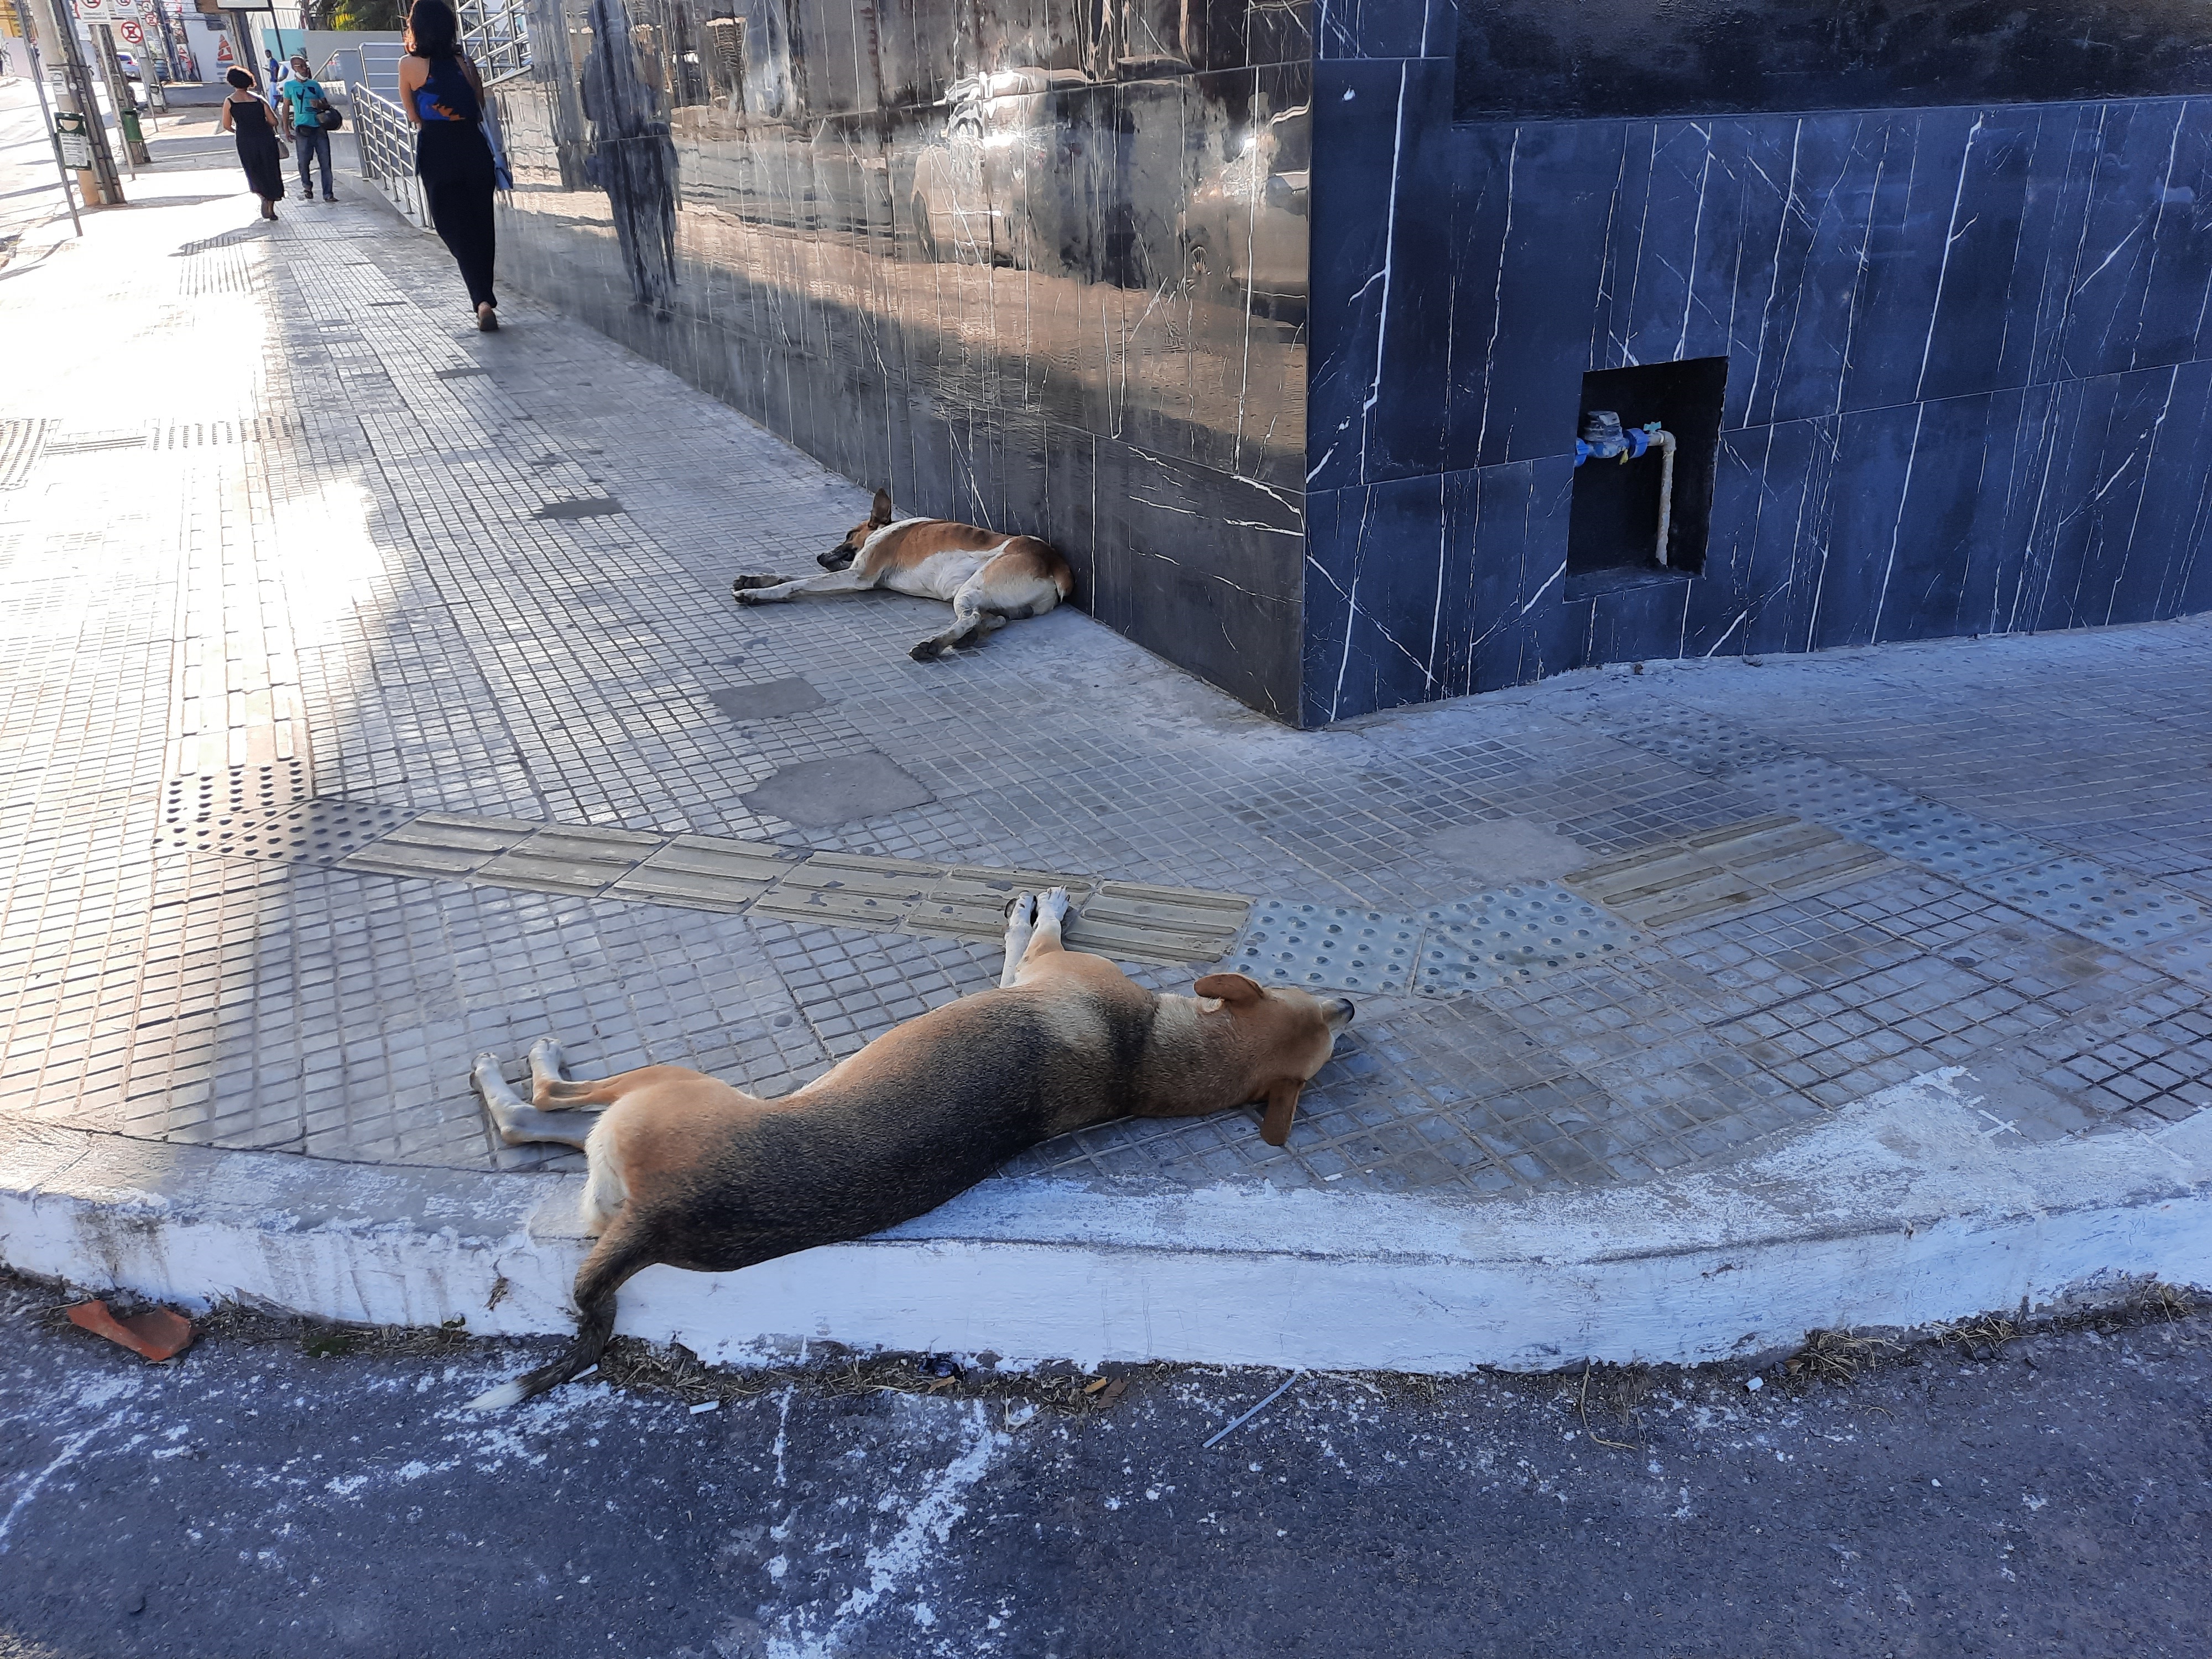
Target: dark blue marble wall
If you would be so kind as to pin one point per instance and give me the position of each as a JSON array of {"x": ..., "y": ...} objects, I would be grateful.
[
  {"x": 1968, "y": 383},
  {"x": 1038, "y": 265}
]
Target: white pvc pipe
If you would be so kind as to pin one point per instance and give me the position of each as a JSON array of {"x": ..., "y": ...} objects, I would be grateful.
[{"x": 1666, "y": 442}]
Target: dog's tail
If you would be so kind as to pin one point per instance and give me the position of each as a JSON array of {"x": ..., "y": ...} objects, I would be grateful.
[{"x": 620, "y": 1253}]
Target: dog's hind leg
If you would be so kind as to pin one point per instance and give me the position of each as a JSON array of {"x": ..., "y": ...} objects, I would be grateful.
[
  {"x": 970, "y": 622},
  {"x": 519, "y": 1123},
  {"x": 1021, "y": 922}
]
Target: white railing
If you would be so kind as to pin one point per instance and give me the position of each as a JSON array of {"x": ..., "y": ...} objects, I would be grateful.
[{"x": 386, "y": 144}]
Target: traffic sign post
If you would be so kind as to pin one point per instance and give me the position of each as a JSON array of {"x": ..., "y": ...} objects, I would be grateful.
[{"x": 73, "y": 94}]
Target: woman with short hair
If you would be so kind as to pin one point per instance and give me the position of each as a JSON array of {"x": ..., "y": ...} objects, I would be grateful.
[
  {"x": 444, "y": 97},
  {"x": 245, "y": 115}
]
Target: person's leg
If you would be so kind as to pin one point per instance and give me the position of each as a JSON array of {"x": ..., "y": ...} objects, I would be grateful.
[
  {"x": 303, "y": 146},
  {"x": 461, "y": 210},
  {"x": 323, "y": 143}
]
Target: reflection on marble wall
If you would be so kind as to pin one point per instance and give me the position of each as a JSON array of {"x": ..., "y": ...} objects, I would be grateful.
[
  {"x": 1969, "y": 369},
  {"x": 1040, "y": 266}
]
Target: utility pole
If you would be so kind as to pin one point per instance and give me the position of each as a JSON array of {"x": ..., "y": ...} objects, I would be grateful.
[
  {"x": 73, "y": 96},
  {"x": 46, "y": 114},
  {"x": 118, "y": 93}
]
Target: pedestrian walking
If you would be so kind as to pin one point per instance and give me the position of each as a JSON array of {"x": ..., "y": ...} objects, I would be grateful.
[
  {"x": 306, "y": 112},
  {"x": 444, "y": 97},
  {"x": 259, "y": 153}
]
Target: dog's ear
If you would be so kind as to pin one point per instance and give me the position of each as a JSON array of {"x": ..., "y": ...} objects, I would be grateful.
[
  {"x": 1282, "y": 1106},
  {"x": 1234, "y": 989},
  {"x": 882, "y": 511}
]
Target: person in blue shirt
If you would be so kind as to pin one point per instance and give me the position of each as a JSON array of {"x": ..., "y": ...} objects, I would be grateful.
[{"x": 302, "y": 92}]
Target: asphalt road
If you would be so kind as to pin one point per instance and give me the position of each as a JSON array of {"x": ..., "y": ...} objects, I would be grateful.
[{"x": 259, "y": 1497}]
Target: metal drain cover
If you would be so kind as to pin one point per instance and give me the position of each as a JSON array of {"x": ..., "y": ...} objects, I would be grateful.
[
  {"x": 1514, "y": 934},
  {"x": 1323, "y": 947},
  {"x": 2085, "y": 898},
  {"x": 1948, "y": 843}
]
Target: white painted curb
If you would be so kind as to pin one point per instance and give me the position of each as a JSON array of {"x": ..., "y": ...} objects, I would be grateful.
[{"x": 1905, "y": 1208}]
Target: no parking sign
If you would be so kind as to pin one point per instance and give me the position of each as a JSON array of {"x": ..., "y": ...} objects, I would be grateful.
[{"x": 109, "y": 11}]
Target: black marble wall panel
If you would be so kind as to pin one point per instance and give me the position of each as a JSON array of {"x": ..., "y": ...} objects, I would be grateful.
[
  {"x": 1967, "y": 368},
  {"x": 1554, "y": 59},
  {"x": 1041, "y": 265}
]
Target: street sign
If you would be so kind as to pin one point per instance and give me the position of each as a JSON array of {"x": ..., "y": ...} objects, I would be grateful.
[
  {"x": 109, "y": 11},
  {"x": 131, "y": 32},
  {"x": 74, "y": 139}
]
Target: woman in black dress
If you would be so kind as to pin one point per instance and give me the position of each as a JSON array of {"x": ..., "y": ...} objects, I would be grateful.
[
  {"x": 445, "y": 99},
  {"x": 245, "y": 114}
]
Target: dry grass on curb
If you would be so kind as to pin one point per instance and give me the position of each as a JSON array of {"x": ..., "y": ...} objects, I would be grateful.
[
  {"x": 1065, "y": 1390},
  {"x": 1838, "y": 1356}
]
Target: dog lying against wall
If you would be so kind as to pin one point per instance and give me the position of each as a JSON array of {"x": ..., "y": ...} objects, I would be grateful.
[
  {"x": 690, "y": 1171},
  {"x": 991, "y": 579}
]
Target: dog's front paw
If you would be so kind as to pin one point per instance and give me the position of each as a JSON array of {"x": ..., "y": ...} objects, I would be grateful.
[
  {"x": 749, "y": 596},
  {"x": 927, "y": 651},
  {"x": 1022, "y": 910},
  {"x": 1052, "y": 904},
  {"x": 743, "y": 584}
]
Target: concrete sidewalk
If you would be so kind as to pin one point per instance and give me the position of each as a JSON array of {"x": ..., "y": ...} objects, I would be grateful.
[{"x": 371, "y": 681}]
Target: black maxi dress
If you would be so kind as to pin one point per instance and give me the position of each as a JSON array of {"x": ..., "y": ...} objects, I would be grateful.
[
  {"x": 256, "y": 148},
  {"x": 455, "y": 166}
]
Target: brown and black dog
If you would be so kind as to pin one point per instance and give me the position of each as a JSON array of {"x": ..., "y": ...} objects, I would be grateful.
[
  {"x": 990, "y": 579},
  {"x": 687, "y": 1171}
]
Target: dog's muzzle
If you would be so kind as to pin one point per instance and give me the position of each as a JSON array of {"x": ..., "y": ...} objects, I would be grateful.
[
  {"x": 837, "y": 558},
  {"x": 1340, "y": 1010}
]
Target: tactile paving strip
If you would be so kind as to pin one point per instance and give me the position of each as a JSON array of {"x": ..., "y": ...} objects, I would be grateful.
[
  {"x": 307, "y": 832},
  {"x": 1949, "y": 842},
  {"x": 1132, "y": 922},
  {"x": 1514, "y": 934},
  {"x": 1724, "y": 869},
  {"x": 440, "y": 845},
  {"x": 559, "y": 859},
  {"x": 1820, "y": 791},
  {"x": 969, "y": 902},
  {"x": 851, "y": 890},
  {"x": 705, "y": 873},
  {"x": 2087, "y": 898},
  {"x": 1316, "y": 946}
]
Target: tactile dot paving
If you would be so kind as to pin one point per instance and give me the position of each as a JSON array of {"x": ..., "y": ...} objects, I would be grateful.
[
  {"x": 1511, "y": 934},
  {"x": 1937, "y": 838},
  {"x": 1319, "y": 946},
  {"x": 2185, "y": 958},
  {"x": 307, "y": 832},
  {"x": 2087, "y": 898},
  {"x": 1704, "y": 742},
  {"x": 1821, "y": 792}
]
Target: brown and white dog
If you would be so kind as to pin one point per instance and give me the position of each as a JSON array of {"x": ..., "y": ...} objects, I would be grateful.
[
  {"x": 990, "y": 579},
  {"x": 687, "y": 1171}
]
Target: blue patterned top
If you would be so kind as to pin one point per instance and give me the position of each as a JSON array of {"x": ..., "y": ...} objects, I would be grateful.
[{"x": 446, "y": 95}]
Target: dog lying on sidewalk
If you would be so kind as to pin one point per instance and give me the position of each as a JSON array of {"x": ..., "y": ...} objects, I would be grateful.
[
  {"x": 991, "y": 579},
  {"x": 692, "y": 1172}
]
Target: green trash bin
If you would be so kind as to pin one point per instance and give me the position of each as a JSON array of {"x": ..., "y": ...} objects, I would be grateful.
[{"x": 128, "y": 121}]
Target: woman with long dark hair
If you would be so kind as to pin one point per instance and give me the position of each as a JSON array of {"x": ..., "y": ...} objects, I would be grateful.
[
  {"x": 245, "y": 115},
  {"x": 445, "y": 99}
]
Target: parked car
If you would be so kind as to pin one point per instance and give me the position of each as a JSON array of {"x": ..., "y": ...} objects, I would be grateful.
[
  {"x": 1246, "y": 226},
  {"x": 970, "y": 194}
]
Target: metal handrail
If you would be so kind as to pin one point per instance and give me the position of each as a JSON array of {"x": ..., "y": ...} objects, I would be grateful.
[
  {"x": 496, "y": 35},
  {"x": 386, "y": 145}
]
